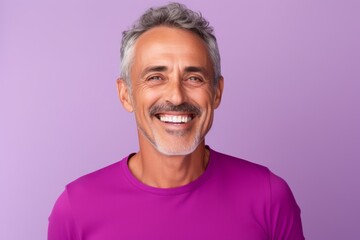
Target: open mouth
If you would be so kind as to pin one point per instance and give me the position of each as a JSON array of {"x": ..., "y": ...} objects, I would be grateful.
[{"x": 177, "y": 119}]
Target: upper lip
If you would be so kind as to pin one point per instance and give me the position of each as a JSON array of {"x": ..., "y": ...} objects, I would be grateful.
[
  {"x": 175, "y": 114},
  {"x": 179, "y": 110}
]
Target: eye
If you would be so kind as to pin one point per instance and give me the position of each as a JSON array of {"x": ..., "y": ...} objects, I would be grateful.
[
  {"x": 154, "y": 78},
  {"x": 195, "y": 80}
]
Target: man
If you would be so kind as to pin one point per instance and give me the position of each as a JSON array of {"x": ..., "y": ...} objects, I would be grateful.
[{"x": 174, "y": 187}]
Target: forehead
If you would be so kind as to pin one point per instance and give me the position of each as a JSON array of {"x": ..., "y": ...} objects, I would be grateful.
[{"x": 169, "y": 44}]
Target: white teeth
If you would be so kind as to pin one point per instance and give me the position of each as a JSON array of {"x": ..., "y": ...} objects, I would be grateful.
[{"x": 175, "y": 119}]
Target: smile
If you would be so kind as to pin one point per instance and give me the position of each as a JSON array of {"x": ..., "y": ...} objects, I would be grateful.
[{"x": 174, "y": 118}]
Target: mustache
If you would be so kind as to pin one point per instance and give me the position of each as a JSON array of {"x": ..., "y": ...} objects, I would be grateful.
[{"x": 169, "y": 107}]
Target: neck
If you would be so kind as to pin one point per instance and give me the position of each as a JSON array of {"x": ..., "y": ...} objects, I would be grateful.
[{"x": 158, "y": 170}]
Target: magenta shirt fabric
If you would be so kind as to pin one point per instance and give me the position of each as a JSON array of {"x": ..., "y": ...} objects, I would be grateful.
[{"x": 233, "y": 199}]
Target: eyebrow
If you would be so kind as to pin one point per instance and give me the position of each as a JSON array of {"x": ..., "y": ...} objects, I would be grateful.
[
  {"x": 154, "y": 69},
  {"x": 196, "y": 70},
  {"x": 189, "y": 69}
]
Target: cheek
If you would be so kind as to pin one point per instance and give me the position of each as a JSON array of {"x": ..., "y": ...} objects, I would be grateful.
[
  {"x": 151, "y": 94},
  {"x": 203, "y": 98},
  {"x": 144, "y": 98}
]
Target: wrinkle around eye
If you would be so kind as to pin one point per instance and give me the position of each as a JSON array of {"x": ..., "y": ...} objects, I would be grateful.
[
  {"x": 156, "y": 78},
  {"x": 195, "y": 80}
]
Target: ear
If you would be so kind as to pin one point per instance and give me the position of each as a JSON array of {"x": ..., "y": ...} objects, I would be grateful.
[
  {"x": 218, "y": 92},
  {"x": 124, "y": 95}
]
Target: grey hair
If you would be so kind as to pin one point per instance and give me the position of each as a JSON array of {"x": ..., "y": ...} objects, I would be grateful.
[{"x": 173, "y": 15}]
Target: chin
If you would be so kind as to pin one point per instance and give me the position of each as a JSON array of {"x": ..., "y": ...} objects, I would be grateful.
[
  {"x": 177, "y": 149},
  {"x": 175, "y": 146}
]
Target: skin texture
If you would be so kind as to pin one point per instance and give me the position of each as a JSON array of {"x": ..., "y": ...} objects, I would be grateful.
[{"x": 171, "y": 76}]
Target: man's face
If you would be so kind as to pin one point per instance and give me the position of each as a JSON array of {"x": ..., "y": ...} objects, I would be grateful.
[{"x": 172, "y": 96}]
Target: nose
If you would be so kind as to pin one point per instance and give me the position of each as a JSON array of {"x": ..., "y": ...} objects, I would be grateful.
[{"x": 175, "y": 92}]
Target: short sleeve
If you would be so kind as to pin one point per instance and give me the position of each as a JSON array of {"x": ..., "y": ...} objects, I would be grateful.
[
  {"x": 285, "y": 214},
  {"x": 61, "y": 222}
]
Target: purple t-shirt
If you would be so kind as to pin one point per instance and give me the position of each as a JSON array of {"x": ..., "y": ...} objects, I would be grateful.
[{"x": 233, "y": 199}]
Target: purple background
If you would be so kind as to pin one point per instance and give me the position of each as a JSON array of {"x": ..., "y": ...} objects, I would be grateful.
[{"x": 291, "y": 101}]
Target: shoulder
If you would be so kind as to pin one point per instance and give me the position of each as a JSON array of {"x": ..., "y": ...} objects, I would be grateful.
[
  {"x": 71, "y": 209},
  {"x": 90, "y": 183},
  {"x": 106, "y": 176},
  {"x": 235, "y": 166},
  {"x": 264, "y": 190},
  {"x": 254, "y": 179},
  {"x": 61, "y": 222}
]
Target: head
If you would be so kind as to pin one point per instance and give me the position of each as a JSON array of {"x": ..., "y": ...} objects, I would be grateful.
[
  {"x": 171, "y": 79},
  {"x": 172, "y": 15}
]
